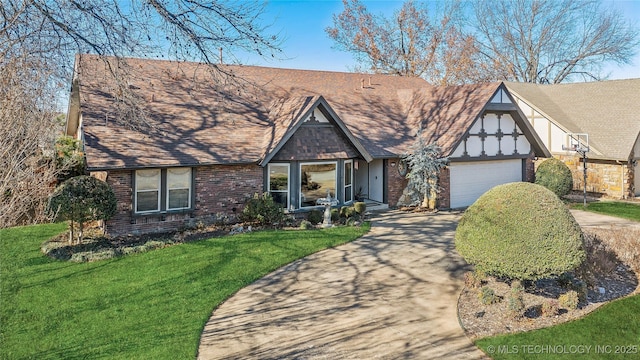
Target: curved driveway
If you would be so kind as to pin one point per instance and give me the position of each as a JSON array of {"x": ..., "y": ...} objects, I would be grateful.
[{"x": 391, "y": 294}]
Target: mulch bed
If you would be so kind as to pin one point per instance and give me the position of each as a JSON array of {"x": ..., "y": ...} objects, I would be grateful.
[{"x": 479, "y": 320}]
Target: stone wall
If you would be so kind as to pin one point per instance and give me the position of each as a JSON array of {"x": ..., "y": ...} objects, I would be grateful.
[{"x": 605, "y": 177}]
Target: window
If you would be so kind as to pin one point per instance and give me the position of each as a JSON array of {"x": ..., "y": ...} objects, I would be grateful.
[
  {"x": 174, "y": 183},
  {"x": 147, "y": 195},
  {"x": 279, "y": 183},
  {"x": 315, "y": 180},
  {"x": 178, "y": 188},
  {"x": 348, "y": 181}
]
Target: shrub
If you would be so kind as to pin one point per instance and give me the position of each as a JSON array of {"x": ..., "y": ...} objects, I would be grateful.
[
  {"x": 550, "y": 307},
  {"x": 555, "y": 176},
  {"x": 315, "y": 217},
  {"x": 335, "y": 215},
  {"x": 569, "y": 300},
  {"x": 347, "y": 212},
  {"x": 624, "y": 242},
  {"x": 360, "y": 207},
  {"x": 262, "y": 210},
  {"x": 600, "y": 259},
  {"x": 81, "y": 199},
  {"x": 517, "y": 286},
  {"x": 520, "y": 231},
  {"x": 69, "y": 158},
  {"x": 516, "y": 302},
  {"x": 305, "y": 225},
  {"x": 487, "y": 296},
  {"x": 580, "y": 287},
  {"x": 565, "y": 280}
]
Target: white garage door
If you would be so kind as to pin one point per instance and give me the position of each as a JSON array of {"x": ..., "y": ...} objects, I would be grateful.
[{"x": 469, "y": 180}]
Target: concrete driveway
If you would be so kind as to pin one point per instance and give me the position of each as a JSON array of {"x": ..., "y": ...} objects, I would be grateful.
[{"x": 391, "y": 294}]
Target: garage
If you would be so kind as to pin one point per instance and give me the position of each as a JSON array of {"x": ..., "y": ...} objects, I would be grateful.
[{"x": 469, "y": 180}]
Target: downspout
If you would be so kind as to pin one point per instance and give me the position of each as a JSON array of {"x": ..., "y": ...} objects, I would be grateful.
[{"x": 622, "y": 189}]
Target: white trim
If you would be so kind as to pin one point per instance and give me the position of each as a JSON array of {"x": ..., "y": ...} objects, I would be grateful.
[
  {"x": 335, "y": 179},
  {"x": 344, "y": 186},
  {"x": 135, "y": 194},
  {"x": 288, "y": 181},
  {"x": 182, "y": 188}
]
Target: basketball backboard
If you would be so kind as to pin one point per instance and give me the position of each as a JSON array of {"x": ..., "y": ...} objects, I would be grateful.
[{"x": 577, "y": 142}]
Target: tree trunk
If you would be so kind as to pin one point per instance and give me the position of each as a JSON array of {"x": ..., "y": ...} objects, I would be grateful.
[
  {"x": 71, "y": 234},
  {"x": 80, "y": 232}
]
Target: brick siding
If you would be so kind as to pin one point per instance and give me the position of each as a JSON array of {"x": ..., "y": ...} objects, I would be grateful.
[
  {"x": 396, "y": 183},
  {"x": 220, "y": 192}
]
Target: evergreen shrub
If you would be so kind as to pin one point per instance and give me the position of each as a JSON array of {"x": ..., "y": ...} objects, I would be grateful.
[
  {"x": 520, "y": 231},
  {"x": 556, "y": 176}
]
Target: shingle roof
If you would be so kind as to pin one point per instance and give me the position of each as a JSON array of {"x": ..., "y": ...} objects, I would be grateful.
[
  {"x": 609, "y": 111},
  {"x": 242, "y": 121}
]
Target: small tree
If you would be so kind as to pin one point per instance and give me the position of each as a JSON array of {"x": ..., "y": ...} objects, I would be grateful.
[
  {"x": 81, "y": 199},
  {"x": 425, "y": 163}
]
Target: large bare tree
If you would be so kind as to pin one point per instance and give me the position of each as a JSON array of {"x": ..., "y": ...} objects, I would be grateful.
[
  {"x": 552, "y": 41},
  {"x": 38, "y": 41},
  {"x": 27, "y": 133},
  {"x": 412, "y": 42}
]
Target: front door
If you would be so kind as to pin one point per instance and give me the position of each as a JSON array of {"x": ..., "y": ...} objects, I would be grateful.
[{"x": 376, "y": 174}]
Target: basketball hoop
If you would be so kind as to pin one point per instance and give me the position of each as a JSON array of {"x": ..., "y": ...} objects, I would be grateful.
[{"x": 579, "y": 143}]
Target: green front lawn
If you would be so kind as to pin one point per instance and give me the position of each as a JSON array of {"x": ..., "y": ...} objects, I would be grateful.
[
  {"x": 146, "y": 306},
  {"x": 614, "y": 208},
  {"x": 611, "y": 332}
]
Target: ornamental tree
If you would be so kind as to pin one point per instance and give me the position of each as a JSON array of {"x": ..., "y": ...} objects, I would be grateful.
[
  {"x": 425, "y": 161},
  {"x": 81, "y": 199}
]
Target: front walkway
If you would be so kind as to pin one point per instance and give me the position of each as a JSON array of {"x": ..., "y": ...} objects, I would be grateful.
[
  {"x": 391, "y": 294},
  {"x": 588, "y": 219}
]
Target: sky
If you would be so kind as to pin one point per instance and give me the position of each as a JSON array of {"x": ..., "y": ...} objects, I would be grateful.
[{"x": 302, "y": 24}]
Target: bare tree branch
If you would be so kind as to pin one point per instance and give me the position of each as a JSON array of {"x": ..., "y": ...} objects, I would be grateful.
[
  {"x": 413, "y": 42},
  {"x": 552, "y": 41}
]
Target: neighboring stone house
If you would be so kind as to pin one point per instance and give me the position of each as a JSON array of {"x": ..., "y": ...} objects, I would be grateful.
[
  {"x": 208, "y": 145},
  {"x": 608, "y": 111}
]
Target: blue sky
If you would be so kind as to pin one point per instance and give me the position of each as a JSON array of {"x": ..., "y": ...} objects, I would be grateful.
[{"x": 301, "y": 23}]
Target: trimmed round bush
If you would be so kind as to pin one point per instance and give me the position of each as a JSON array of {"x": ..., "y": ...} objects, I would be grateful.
[
  {"x": 520, "y": 231},
  {"x": 555, "y": 175},
  {"x": 315, "y": 217}
]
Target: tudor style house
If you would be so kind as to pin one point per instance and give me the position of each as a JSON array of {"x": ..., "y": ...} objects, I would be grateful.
[
  {"x": 204, "y": 145},
  {"x": 607, "y": 111}
]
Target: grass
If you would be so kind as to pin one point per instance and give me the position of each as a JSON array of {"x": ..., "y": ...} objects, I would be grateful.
[
  {"x": 610, "y": 332},
  {"x": 146, "y": 306},
  {"x": 614, "y": 208}
]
